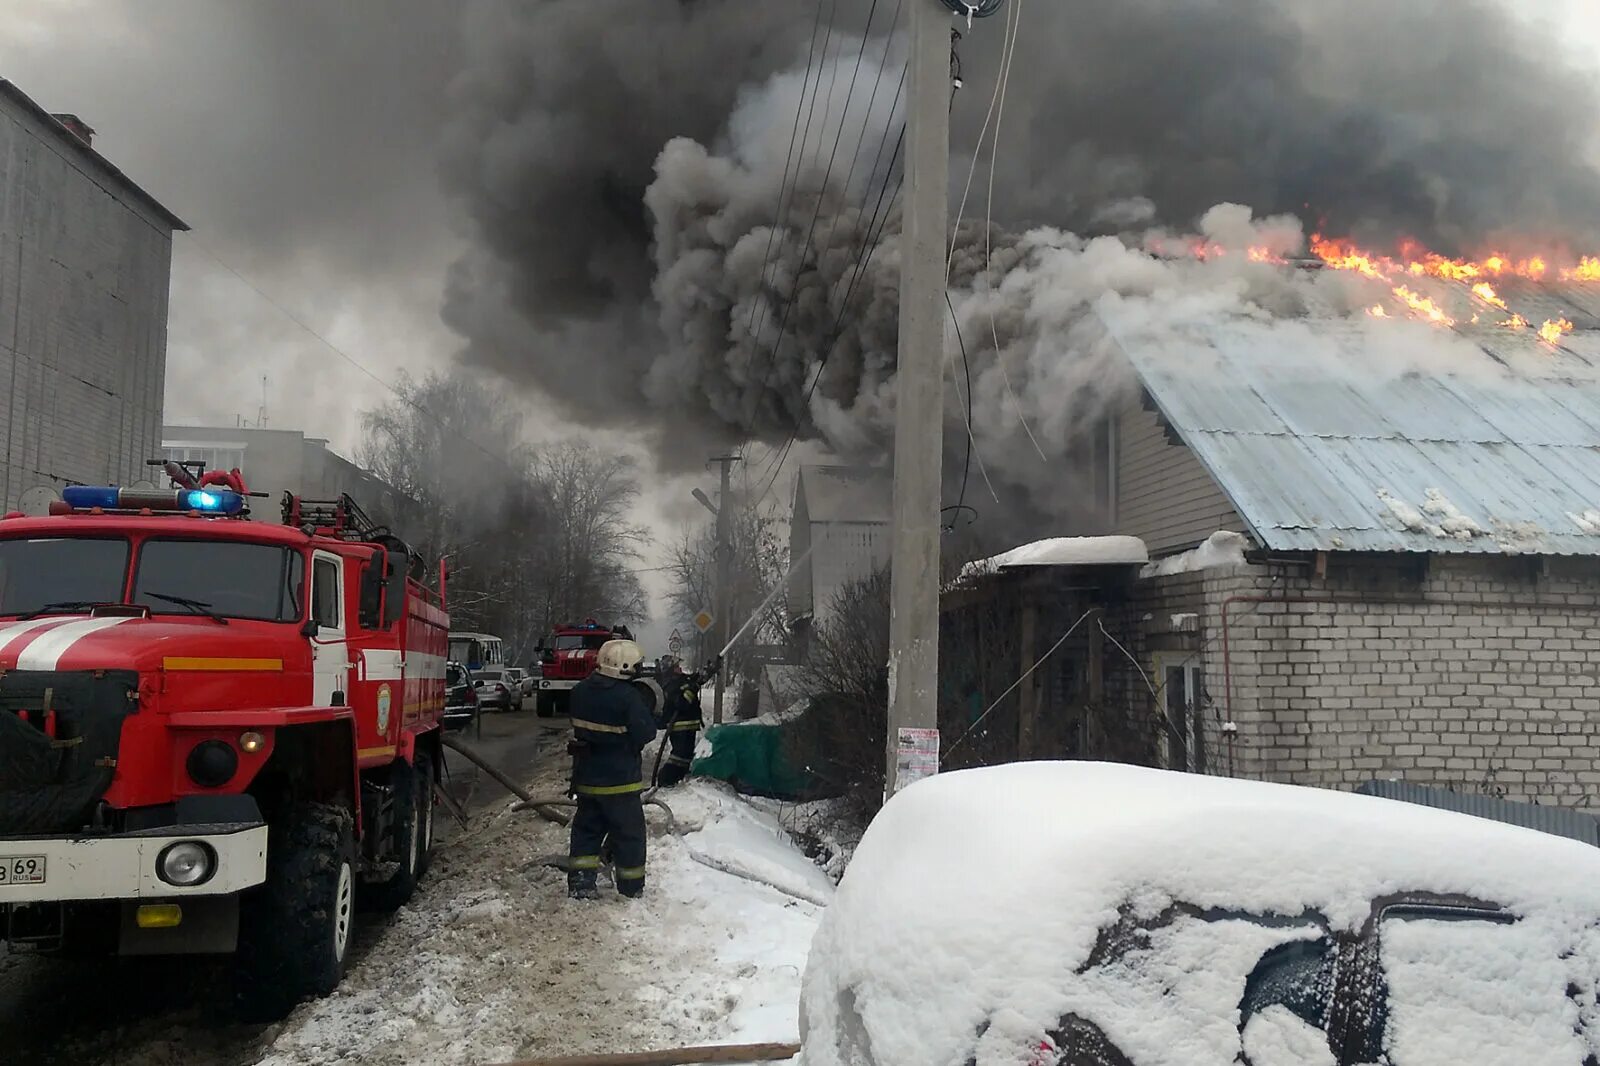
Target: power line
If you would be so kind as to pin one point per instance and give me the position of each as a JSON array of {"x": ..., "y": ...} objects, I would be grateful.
[
  {"x": 871, "y": 240},
  {"x": 352, "y": 360},
  {"x": 988, "y": 222},
  {"x": 816, "y": 215},
  {"x": 805, "y": 138},
  {"x": 788, "y": 161}
]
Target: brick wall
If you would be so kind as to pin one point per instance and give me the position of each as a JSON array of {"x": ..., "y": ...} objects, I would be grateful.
[{"x": 1472, "y": 673}]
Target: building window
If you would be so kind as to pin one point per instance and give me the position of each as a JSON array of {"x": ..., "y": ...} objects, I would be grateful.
[
  {"x": 214, "y": 456},
  {"x": 1180, "y": 679}
]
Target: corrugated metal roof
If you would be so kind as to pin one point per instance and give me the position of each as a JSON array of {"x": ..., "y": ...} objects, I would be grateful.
[
  {"x": 1557, "y": 821},
  {"x": 1368, "y": 435},
  {"x": 846, "y": 493}
]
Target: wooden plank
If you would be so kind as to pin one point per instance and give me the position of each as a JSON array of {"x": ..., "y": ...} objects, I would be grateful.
[
  {"x": 687, "y": 1056},
  {"x": 1028, "y": 714}
]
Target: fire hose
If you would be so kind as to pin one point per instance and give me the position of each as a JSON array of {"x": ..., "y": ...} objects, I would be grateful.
[{"x": 545, "y": 807}]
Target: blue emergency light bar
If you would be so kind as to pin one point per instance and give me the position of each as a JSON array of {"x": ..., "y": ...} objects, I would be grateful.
[{"x": 112, "y": 498}]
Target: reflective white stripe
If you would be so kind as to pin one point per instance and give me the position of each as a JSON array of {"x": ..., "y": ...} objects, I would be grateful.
[
  {"x": 382, "y": 664},
  {"x": 9, "y": 631},
  {"x": 46, "y": 651},
  {"x": 421, "y": 665}
]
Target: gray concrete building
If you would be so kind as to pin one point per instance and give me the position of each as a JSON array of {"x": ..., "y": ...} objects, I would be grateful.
[
  {"x": 278, "y": 461},
  {"x": 85, "y": 267}
]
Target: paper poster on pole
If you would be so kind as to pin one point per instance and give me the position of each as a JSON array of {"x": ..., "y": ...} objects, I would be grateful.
[{"x": 916, "y": 756}]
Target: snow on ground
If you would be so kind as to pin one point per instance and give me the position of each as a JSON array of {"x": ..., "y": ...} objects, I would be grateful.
[{"x": 493, "y": 963}]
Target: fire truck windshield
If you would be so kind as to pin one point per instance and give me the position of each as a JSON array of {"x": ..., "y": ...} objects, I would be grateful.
[
  {"x": 572, "y": 642},
  {"x": 78, "y": 570},
  {"x": 255, "y": 581}
]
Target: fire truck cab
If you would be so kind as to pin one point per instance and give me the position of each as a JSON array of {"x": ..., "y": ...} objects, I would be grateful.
[
  {"x": 217, "y": 735},
  {"x": 566, "y": 657}
]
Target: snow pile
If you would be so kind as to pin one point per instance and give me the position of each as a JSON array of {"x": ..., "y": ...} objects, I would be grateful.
[
  {"x": 1588, "y": 521},
  {"x": 1221, "y": 550},
  {"x": 1450, "y": 520},
  {"x": 730, "y": 835},
  {"x": 1065, "y": 551},
  {"x": 1438, "y": 517},
  {"x": 966, "y": 922}
]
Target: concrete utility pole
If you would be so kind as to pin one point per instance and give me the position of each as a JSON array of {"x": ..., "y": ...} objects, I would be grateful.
[
  {"x": 724, "y": 606},
  {"x": 919, "y": 414}
]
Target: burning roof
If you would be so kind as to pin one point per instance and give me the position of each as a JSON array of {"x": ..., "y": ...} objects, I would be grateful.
[{"x": 1468, "y": 420}]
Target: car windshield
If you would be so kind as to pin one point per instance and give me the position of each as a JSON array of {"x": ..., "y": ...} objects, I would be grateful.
[
  {"x": 69, "y": 571},
  {"x": 236, "y": 580},
  {"x": 574, "y": 641}
]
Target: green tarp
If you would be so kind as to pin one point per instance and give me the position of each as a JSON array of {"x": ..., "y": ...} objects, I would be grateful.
[{"x": 754, "y": 759}]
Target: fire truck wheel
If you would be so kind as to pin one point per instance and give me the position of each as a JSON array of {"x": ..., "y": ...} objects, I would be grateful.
[
  {"x": 413, "y": 835},
  {"x": 546, "y": 707},
  {"x": 294, "y": 930}
]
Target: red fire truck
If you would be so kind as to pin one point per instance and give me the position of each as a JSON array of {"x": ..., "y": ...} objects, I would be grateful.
[
  {"x": 568, "y": 656},
  {"x": 216, "y": 735}
]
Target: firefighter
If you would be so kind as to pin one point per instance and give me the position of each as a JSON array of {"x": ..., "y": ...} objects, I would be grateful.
[
  {"x": 611, "y": 727},
  {"x": 681, "y": 718}
]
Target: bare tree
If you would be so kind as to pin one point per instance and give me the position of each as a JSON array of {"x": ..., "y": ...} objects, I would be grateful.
[
  {"x": 760, "y": 562},
  {"x": 587, "y": 567},
  {"x": 530, "y": 540}
]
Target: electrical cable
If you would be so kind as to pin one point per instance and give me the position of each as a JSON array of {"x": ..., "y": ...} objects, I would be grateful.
[
  {"x": 811, "y": 230},
  {"x": 1013, "y": 686},
  {"x": 788, "y": 161},
  {"x": 977, "y": 9},
  {"x": 880, "y": 220},
  {"x": 988, "y": 223},
  {"x": 352, "y": 360},
  {"x": 805, "y": 139}
]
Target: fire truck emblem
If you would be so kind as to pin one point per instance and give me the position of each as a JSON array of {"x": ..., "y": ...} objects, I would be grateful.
[{"x": 383, "y": 708}]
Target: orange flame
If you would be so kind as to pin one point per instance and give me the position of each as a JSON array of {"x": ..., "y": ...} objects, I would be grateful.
[
  {"x": 1423, "y": 306},
  {"x": 1485, "y": 292},
  {"x": 1552, "y": 332},
  {"x": 1418, "y": 262},
  {"x": 1377, "y": 311},
  {"x": 1588, "y": 269},
  {"x": 1514, "y": 322}
]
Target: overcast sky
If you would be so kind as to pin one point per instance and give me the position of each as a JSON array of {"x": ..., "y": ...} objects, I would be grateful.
[{"x": 300, "y": 140}]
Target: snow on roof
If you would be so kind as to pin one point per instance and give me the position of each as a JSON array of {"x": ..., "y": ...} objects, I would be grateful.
[
  {"x": 1217, "y": 552},
  {"x": 968, "y": 915},
  {"x": 1066, "y": 551},
  {"x": 1322, "y": 442}
]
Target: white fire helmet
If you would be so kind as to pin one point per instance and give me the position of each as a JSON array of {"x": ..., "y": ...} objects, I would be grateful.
[{"x": 619, "y": 659}]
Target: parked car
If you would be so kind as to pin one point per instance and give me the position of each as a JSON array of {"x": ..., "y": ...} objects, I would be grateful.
[
  {"x": 517, "y": 682},
  {"x": 1081, "y": 914},
  {"x": 494, "y": 694},
  {"x": 461, "y": 697}
]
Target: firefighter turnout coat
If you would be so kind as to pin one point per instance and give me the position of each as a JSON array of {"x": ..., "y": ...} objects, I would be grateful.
[
  {"x": 611, "y": 727},
  {"x": 683, "y": 721}
]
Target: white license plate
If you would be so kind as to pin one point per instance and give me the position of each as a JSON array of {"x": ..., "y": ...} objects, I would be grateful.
[{"x": 22, "y": 870}]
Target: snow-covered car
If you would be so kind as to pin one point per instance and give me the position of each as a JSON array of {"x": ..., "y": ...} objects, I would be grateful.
[{"x": 1080, "y": 914}]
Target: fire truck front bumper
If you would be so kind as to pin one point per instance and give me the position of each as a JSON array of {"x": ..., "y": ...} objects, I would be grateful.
[
  {"x": 169, "y": 863},
  {"x": 557, "y": 684}
]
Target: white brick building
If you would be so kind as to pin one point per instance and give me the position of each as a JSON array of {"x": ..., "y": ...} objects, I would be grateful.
[
  {"x": 1422, "y": 595},
  {"x": 85, "y": 264}
]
